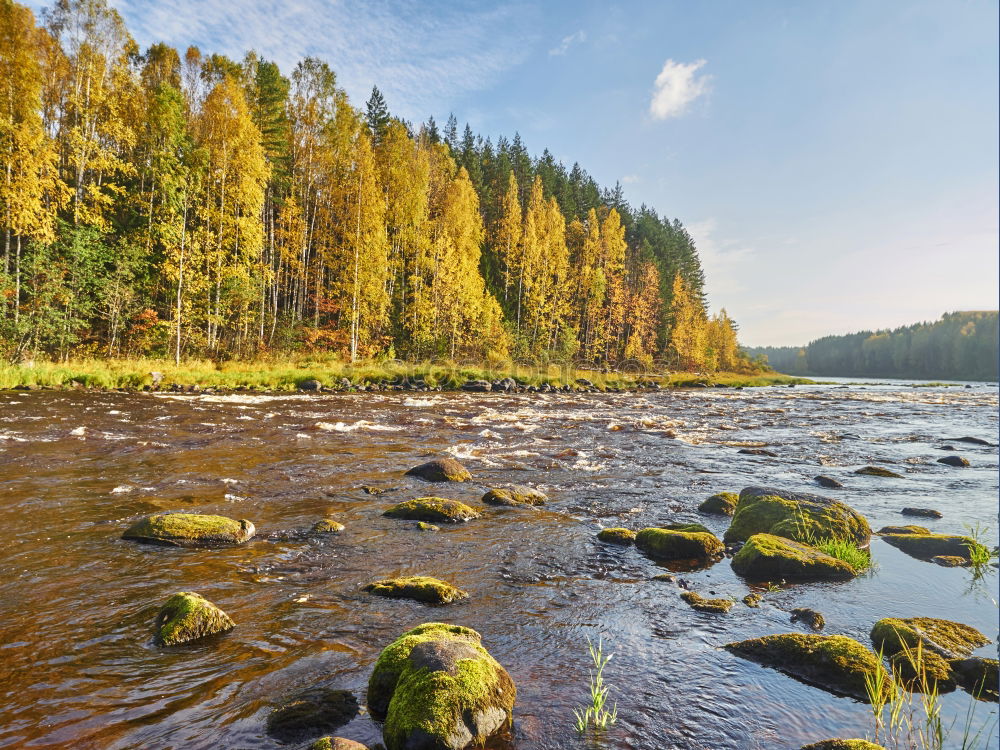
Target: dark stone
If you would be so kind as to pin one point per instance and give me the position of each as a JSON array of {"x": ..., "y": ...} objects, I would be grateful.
[
  {"x": 972, "y": 440},
  {"x": 956, "y": 461},
  {"x": 922, "y": 512},
  {"x": 825, "y": 481},
  {"x": 979, "y": 676},
  {"x": 440, "y": 470},
  {"x": 311, "y": 712},
  {"x": 310, "y": 385},
  {"x": 758, "y": 452},
  {"x": 810, "y": 617},
  {"x": 584, "y": 382},
  {"x": 477, "y": 386}
]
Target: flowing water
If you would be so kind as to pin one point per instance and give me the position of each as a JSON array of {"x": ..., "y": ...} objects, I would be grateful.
[{"x": 78, "y": 667}]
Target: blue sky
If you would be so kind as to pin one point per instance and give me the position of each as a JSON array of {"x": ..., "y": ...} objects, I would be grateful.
[{"x": 836, "y": 160}]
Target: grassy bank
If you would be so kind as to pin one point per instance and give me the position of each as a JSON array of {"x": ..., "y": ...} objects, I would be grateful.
[{"x": 286, "y": 375}]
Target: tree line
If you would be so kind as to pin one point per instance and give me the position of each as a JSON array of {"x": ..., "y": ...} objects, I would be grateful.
[
  {"x": 187, "y": 204},
  {"x": 959, "y": 346}
]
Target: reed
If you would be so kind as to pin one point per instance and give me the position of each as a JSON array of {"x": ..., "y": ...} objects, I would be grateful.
[{"x": 596, "y": 714}]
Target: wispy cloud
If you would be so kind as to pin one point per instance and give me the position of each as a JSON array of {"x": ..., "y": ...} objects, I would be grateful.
[
  {"x": 577, "y": 37},
  {"x": 676, "y": 87},
  {"x": 421, "y": 61},
  {"x": 630, "y": 179},
  {"x": 724, "y": 260}
]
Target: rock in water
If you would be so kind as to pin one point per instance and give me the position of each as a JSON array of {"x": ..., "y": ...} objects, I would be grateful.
[
  {"x": 516, "y": 495},
  {"x": 753, "y": 599},
  {"x": 956, "y": 461},
  {"x": 440, "y": 470},
  {"x": 437, "y": 688},
  {"x": 829, "y": 482},
  {"x": 795, "y": 515},
  {"x": 617, "y": 536},
  {"x": 757, "y": 452},
  {"x": 878, "y": 471},
  {"x": 922, "y": 512},
  {"x": 949, "y": 639},
  {"x": 190, "y": 530},
  {"x": 420, "y": 588},
  {"x": 836, "y": 744},
  {"x": 327, "y": 526},
  {"x": 833, "y": 662},
  {"x": 668, "y": 544},
  {"x": 722, "y": 503},
  {"x": 432, "y": 509},
  {"x": 701, "y": 604},
  {"x": 971, "y": 440},
  {"x": 336, "y": 743},
  {"x": 311, "y": 712},
  {"x": 766, "y": 557},
  {"x": 928, "y": 546},
  {"x": 978, "y": 676},
  {"x": 810, "y": 617},
  {"x": 188, "y": 616},
  {"x": 904, "y": 530}
]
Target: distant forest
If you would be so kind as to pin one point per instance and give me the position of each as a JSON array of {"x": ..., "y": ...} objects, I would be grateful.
[
  {"x": 960, "y": 346},
  {"x": 178, "y": 203}
]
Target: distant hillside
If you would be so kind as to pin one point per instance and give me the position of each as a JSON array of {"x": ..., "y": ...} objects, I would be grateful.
[{"x": 960, "y": 346}]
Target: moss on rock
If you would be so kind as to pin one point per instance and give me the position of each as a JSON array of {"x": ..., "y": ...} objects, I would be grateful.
[
  {"x": 690, "y": 528},
  {"x": 700, "y": 603},
  {"x": 432, "y": 509},
  {"x": 951, "y": 640},
  {"x": 667, "y": 544},
  {"x": 797, "y": 516},
  {"x": 919, "y": 670},
  {"x": 810, "y": 617},
  {"x": 753, "y": 599},
  {"x": 978, "y": 676},
  {"x": 327, "y": 526},
  {"x": 928, "y": 546},
  {"x": 949, "y": 561},
  {"x": 421, "y": 588},
  {"x": 336, "y": 743},
  {"x": 516, "y": 495},
  {"x": 722, "y": 503},
  {"x": 617, "y": 536},
  {"x": 837, "y": 744},
  {"x": 440, "y": 470},
  {"x": 833, "y": 662},
  {"x": 187, "y": 616},
  {"x": 437, "y": 687},
  {"x": 311, "y": 712},
  {"x": 766, "y": 557},
  {"x": 424, "y": 526},
  {"x": 878, "y": 471},
  {"x": 190, "y": 530},
  {"x": 904, "y": 530}
]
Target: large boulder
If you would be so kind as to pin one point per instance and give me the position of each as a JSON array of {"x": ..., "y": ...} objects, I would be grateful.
[
  {"x": 722, "y": 503},
  {"x": 440, "y": 470},
  {"x": 794, "y": 515},
  {"x": 421, "y": 588},
  {"x": 766, "y": 557},
  {"x": 516, "y": 495},
  {"x": 928, "y": 546},
  {"x": 669, "y": 544},
  {"x": 310, "y": 712},
  {"x": 833, "y": 662},
  {"x": 921, "y": 649},
  {"x": 432, "y": 509},
  {"x": 437, "y": 688},
  {"x": 186, "y": 617},
  {"x": 190, "y": 530}
]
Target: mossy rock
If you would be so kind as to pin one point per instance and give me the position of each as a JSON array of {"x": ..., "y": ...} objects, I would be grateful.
[
  {"x": 440, "y": 470},
  {"x": 922, "y": 671},
  {"x": 690, "y": 528},
  {"x": 188, "y": 616},
  {"x": 837, "y": 744},
  {"x": 753, "y": 599},
  {"x": 766, "y": 557},
  {"x": 516, "y": 495},
  {"x": 810, "y": 617},
  {"x": 437, "y": 687},
  {"x": 327, "y": 526},
  {"x": 336, "y": 743},
  {"x": 617, "y": 536},
  {"x": 833, "y": 662},
  {"x": 878, "y": 471},
  {"x": 310, "y": 712},
  {"x": 978, "y": 676},
  {"x": 700, "y": 603},
  {"x": 951, "y": 640},
  {"x": 424, "y": 526},
  {"x": 797, "y": 516},
  {"x": 667, "y": 544},
  {"x": 190, "y": 530},
  {"x": 949, "y": 561},
  {"x": 922, "y": 512},
  {"x": 722, "y": 503},
  {"x": 928, "y": 546},
  {"x": 421, "y": 588},
  {"x": 432, "y": 509},
  {"x": 904, "y": 530}
]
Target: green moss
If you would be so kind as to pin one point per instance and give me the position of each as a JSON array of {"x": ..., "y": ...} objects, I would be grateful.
[
  {"x": 944, "y": 637},
  {"x": 920, "y": 670},
  {"x": 927, "y": 546},
  {"x": 432, "y": 509},
  {"x": 690, "y": 528},
  {"x": 836, "y": 744},
  {"x": 336, "y": 743},
  {"x": 810, "y": 617},
  {"x": 421, "y": 588},
  {"x": 834, "y": 662},
  {"x": 753, "y": 599},
  {"x": 878, "y": 471},
  {"x": 904, "y": 530},
  {"x": 440, "y": 470},
  {"x": 424, "y": 526},
  {"x": 700, "y": 603},
  {"x": 190, "y": 530},
  {"x": 187, "y": 616},
  {"x": 766, "y": 557},
  {"x": 328, "y": 526},
  {"x": 666, "y": 544},
  {"x": 617, "y": 536},
  {"x": 723, "y": 503},
  {"x": 516, "y": 495},
  {"x": 797, "y": 516}
]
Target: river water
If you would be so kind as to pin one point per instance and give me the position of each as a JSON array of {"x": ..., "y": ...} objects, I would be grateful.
[{"x": 78, "y": 667}]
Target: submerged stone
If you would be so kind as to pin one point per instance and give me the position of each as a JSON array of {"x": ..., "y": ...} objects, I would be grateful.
[
  {"x": 440, "y": 470},
  {"x": 721, "y": 503},
  {"x": 190, "y": 530},
  {"x": 700, "y": 603},
  {"x": 310, "y": 712},
  {"x": 949, "y": 561},
  {"x": 978, "y": 676},
  {"x": 758, "y": 452},
  {"x": 327, "y": 526},
  {"x": 421, "y": 588},
  {"x": 837, "y": 744},
  {"x": 810, "y": 617},
  {"x": 929, "y": 546},
  {"x": 766, "y": 557},
  {"x": 828, "y": 482},
  {"x": 878, "y": 471},
  {"x": 188, "y": 616},
  {"x": 516, "y": 495},
  {"x": 437, "y": 687},
  {"x": 904, "y": 530},
  {"x": 667, "y": 544},
  {"x": 795, "y": 515},
  {"x": 833, "y": 662},
  {"x": 753, "y": 599},
  {"x": 956, "y": 461},
  {"x": 617, "y": 536},
  {"x": 922, "y": 512},
  {"x": 432, "y": 509}
]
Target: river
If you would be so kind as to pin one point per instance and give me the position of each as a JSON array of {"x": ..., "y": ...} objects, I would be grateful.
[{"x": 78, "y": 667}]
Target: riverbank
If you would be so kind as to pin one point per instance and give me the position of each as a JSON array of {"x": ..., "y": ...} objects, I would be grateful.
[{"x": 313, "y": 373}]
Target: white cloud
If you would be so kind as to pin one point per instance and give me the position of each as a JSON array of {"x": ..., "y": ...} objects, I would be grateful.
[
  {"x": 630, "y": 179},
  {"x": 676, "y": 87},
  {"x": 577, "y": 37}
]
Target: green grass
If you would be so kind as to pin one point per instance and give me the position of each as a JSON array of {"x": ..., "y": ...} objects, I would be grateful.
[
  {"x": 596, "y": 714},
  {"x": 277, "y": 374},
  {"x": 858, "y": 558}
]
